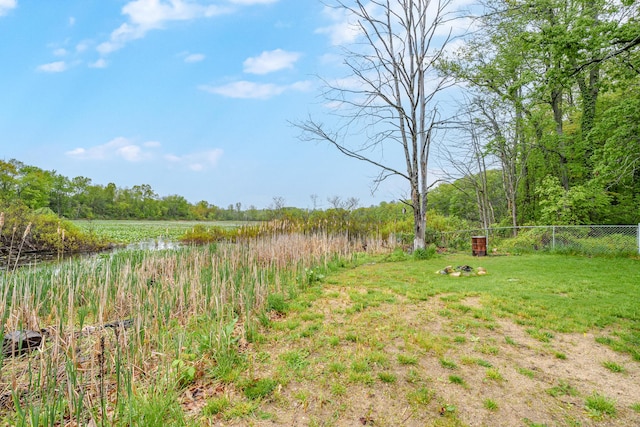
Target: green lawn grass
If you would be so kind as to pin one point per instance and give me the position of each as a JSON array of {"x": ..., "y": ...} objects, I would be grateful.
[{"x": 544, "y": 292}]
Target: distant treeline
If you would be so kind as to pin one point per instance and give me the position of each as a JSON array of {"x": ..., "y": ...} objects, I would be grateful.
[{"x": 78, "y": 198}]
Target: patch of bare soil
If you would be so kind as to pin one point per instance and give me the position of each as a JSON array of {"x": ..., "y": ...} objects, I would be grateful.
[{"x": 426, "y": 363}]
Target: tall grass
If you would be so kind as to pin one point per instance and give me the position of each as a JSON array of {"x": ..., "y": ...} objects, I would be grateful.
[{"x": 194, "y": 302}]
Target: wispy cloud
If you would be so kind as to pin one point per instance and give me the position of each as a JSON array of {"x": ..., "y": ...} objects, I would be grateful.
[
  {"x": 252, "y": 2},
  {"x": 250, "y": 90},
  {"x": 146, "y": 15},
  {"x": 125, "y": 149},
  {"x": 270, "y": 61},
  {"x": 194, "y": 57},
  {"x": 7, "y": 5},
  {"x": 100, "y": 63},
  {"x": 116, "y": 148},
  {"x": 196, "y": 162},
  {"x": 341, "y": 30},
  {"x": 53, "y": 67}
]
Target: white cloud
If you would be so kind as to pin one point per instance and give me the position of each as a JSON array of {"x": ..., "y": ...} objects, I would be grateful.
[
  {"x": 194, "y": 57},
  {"x": 60, "y": 52},
  {"x": 146, "y": 15},
  {"x": 72, "y": 21},
  {"x": 341, "y": 31},
  {"x": 125, "y": 149},
  {"x": 7, "y": 5},
  {"x": 53, "y": 67},
  {"x": 250, "y": 90},
  {"x": 252, "y": 2},
  {"x": 100, "y": 63},
  {"x": 118, "y": 147},
  {"x": 196, "y": 162},
  {"x": 270, "y": 61},
  {"x": 82, "y": 46}
]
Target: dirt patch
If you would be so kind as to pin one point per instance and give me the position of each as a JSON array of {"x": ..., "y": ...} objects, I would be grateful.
[{"x": 436, "y": 362}]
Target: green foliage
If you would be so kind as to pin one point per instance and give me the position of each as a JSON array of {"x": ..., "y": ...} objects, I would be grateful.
[
  {"x": 600, "y": 406},
  {"x": 43, "y": 230},
  {"x": 216, "y": 406},
  {"x": 276, "y": 302},
  {"x": 614, "y": 367},
  {"x": 574, "y": 206},
  {"x": 490, "y": 404},
  {"x": 259, "y": 389},
  {"x": 425, "y": 253}
]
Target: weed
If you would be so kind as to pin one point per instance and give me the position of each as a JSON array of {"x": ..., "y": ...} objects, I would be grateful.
[
  {"x": 494, "y": 374},
  {"x": 406, "y": 359},
  {"x": 448, "y": 364},
  {"x": 296, "y": 359},
  {"x": 216, "y": 406},
  {"x": 338, "y": 389},
  {"x": 483, "y": 363},
  {"x": 599, "y": 406},
  {"x": 636, "y": 407},
  {"x": 421, "y": 396},
  {"x": 542, "y": 336},
  {"x": 560, "y": 356},
  {"x": 277, "y": 303},
  {"x": 490, "y": 404},
  {"x": 487, "y": 349},
  {"x": 186, "y": 374},
  {"x": 562, "y": 389},
  {"x": 337, "y": 367},
  {"x": 387, "y": 377},
  {"x": 259, "y": 389},
  {"x": 614, "y": 367},
  {"x": 239, "y": 410},
  {"x": 301, "y": 395},
  {"x": 530, "y": 423},
  {"x": 351, "y": 337},
  {"x": 362, "y": 378},
  {"x": 334, "y": 341},
  {"x": 413, "y": 376},
  {"x": 448, "y": 409},
  {"x": 510, "y": 341},
  {"x": 527, "y": 372},
  {"x": 455, "y": 379},
  {"x": 460, "y": 339},
  {"x": 360, "y": 366}
]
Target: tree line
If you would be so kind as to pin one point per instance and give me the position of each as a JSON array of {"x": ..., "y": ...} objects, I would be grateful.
[
  {"x": 37, "y": 189},
  {"x": 551, "y": 102},
  {"x": 548, "y": 120}
]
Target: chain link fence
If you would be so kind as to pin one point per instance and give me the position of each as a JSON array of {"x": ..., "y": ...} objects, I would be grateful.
[{"x": 604, "y": 240}]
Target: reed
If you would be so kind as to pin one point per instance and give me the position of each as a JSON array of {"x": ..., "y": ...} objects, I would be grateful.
[{"x": 115, "y": 323}]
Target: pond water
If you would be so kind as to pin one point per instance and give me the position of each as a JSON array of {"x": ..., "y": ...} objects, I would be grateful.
[{"x": 36, "y": 258}]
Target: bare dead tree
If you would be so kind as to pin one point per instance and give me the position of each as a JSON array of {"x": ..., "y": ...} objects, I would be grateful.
[{"x": 390, "y": 105}]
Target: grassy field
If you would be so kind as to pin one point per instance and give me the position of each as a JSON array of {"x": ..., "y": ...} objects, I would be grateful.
[{"x": 302, "y": 331}]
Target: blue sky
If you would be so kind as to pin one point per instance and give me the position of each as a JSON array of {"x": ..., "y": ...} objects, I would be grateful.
[{"x": 193, "y": 97}]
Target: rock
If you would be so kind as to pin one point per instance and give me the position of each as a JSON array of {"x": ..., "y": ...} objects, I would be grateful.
[
  {"x": 17, "y": 343},
  {"x": 455, "y": 274}
]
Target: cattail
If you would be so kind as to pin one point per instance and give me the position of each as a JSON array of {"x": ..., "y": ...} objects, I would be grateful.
[{"x": 26, "y": 231}]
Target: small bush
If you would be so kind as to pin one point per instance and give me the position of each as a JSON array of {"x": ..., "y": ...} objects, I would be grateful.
[{"x": 425, "y": 253}]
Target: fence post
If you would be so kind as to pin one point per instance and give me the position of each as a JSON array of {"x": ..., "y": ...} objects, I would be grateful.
[{"x": 553, "y": 239}]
